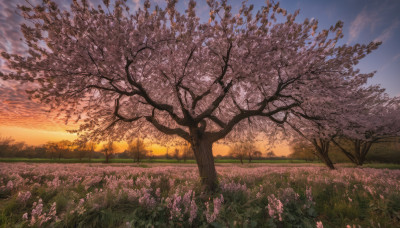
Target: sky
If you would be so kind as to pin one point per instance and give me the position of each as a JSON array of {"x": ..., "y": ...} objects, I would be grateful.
[{"x": 364, "y": 21}]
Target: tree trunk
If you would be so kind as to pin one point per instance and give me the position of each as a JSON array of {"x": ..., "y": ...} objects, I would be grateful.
[
  {"x": 322, "y": 148},
  {"x": 363, "y": 151},
  {"x": 205, "y": 163},
  {"x": 328, "y": 162},
  {"x": 106, "y": 154}
]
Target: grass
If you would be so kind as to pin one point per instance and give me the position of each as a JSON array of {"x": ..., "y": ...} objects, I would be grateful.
[
  {"x": 191, "y": 161},
  {"x": 373, "y": 165},
  {"x": 87, "y": 195},
  {"x": 123, "y": 160}
]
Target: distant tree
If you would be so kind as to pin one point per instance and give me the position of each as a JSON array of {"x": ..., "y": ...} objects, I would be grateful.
[
  {"x": 80, "y": 150},
  {"x": 52, "y": 148},
  {"x": 378, "y": 121},
  {"x": 303, "y": 150},
  {"x": 64, "y": 147},
  {"x": 166, "y": 154},
  {"x": 108, "y": 150},
  {"x": 242, "y": 151},
  {"x": 6, "y": 144},
  {"x": 187, "y": 152},
  {"x": 137, "y": 149},
  {"x": 251, "y": 148},
  {"x": 176, "y": 154},
  {"x": 270, "y": 154},
  {"x": 257, "y": 154},
  {"x": 90, "y": 147},
  {"x": 237, "y": 152},
  {"x": 150, "y": 154}
]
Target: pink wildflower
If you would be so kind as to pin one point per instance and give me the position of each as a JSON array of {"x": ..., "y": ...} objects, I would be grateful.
[
  {"x": 24, "y": 196},
  {"x": 275, "y": 207},
  {"x": 10, "y": 185},
  {"x": 217, "y": 203},
  {"x": 25, "y": 216}
]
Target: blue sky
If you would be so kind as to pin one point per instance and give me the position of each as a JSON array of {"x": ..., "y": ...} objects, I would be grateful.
[{"x": 364, "y": 21}]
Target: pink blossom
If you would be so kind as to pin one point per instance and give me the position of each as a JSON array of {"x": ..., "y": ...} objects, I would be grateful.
[
  {"x": 24, "y": 196},
  {"x": 217, "y": 204},
  {"x": 275, "y": 207},
  {"x": 10, "y": 185}
]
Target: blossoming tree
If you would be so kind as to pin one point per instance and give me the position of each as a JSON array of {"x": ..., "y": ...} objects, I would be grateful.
[
  {"x": 377, "y": 121},
  {"x": 159, "y": 72},
  {"x": 349, "y": 116}
]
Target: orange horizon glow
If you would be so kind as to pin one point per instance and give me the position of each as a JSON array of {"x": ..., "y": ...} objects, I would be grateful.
[{"x": 37, "y": 137}]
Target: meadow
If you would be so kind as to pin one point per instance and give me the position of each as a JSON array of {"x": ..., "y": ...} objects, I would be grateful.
[
  {"x": 157, "y": 160},
  {"x": 168, "y": 195}
]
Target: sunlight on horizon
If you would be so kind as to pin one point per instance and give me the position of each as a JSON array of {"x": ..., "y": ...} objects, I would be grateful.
[{"x": 37, "y": 137}]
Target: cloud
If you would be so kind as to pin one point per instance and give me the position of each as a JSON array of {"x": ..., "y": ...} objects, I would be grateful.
[
  {"x": 136, "y": 4},
  {"x": 388, "y": 32},
  {"x": 16, "y": 109},
  {"x": 364, "y": 19},
  {"x": 393, "y": 60},
  {"x": 9, "y": 28}
]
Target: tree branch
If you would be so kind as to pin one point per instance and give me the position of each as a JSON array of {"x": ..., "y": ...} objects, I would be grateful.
[
  {"x": 166, "y": 130},
  {"x": 246, "y": 114},
  {"x": 143, "y": 93}
]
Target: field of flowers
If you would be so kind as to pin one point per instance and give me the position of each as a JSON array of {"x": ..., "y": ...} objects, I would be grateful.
[{"x": 79, "y": 195}]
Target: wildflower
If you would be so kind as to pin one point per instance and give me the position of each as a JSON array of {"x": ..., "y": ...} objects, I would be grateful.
[
  {"x": 38, "y": 217},
  {"x": 309, "y": 194},
  {"x": 158, "y": 192},
  {"x": 259, "y": 193},
  {"x": 193, "y": 210},
  {"x": 275, "y": 207},
  {"x": 24, "y": 196},
  {"x": 217, "y": 203},
  {"x": 233, "y": 187},
  {"x": 319, "y": 225},
  {"x": 288, "y": 195},
  {"x": 10, "y": 185}
]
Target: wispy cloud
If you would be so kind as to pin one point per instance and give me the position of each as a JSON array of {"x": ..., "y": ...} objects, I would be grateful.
[
  {"x": 393, "y": 60},
  {"x": 388, "y": 32},
  {"x": 136, "y": 5},
  {"x": 363, "y": 20},
  {"x": 16, "y": 109}
]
